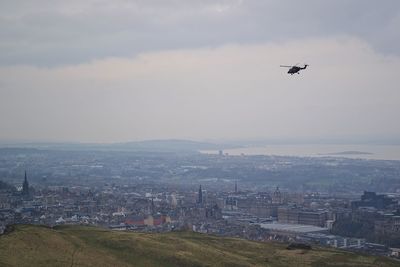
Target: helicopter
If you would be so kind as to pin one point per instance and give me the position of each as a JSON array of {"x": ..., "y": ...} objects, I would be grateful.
[{"x": 295, "y": 69}]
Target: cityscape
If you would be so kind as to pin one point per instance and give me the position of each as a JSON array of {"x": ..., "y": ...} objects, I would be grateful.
[
  {"x": 212, "y": 133},
  {"x": 261, "y": 198}
]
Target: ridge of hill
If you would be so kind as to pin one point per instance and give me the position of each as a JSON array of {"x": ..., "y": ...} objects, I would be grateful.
[
  {"x": 28, "y": 245},
  {"x": 163, "y": 145}
]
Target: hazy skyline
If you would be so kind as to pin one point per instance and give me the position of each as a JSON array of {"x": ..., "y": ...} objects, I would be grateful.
[{"x": 100, "y": 71}]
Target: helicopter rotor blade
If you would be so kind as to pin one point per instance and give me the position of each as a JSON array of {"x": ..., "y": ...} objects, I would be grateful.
[{"x": 284, "y": 66}]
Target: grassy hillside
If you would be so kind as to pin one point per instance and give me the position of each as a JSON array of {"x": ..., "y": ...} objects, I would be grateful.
[{"x": 88, "y": 246}]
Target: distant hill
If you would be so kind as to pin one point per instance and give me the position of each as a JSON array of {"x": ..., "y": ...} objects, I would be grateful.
[
  {"x": 168, "y": 145},
  {"x": 31, "y": 245}
]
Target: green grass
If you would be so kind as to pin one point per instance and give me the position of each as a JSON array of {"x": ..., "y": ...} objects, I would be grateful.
[{"x": 31, "y": 245}]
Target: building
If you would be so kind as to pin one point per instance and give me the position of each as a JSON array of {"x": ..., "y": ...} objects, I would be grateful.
[
  {"x": 135, "y": 220},
  {"x": 277, "y": 196},
  {"x": 294, "y": 215},
  {"x": 200, "y": 196},
  {"x": 25, "y": 188},
  {"x": 317, "y": 218},
  {"x": 371, "y": 199},
  {"x": 388, "y": 224},
  {"x": 290, "y": 229},
  {"x": 288, "y": 215},
  {"x": 231, "y": 203},
  {"x": 333, "y": 240}
]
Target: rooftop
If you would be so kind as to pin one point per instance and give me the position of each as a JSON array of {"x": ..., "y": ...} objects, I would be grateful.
[{"x": 294, "y": 228}]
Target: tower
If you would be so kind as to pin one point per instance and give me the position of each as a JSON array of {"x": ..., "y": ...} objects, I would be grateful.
[
  {"x": 236, "y": 189},
  {"x": 277, "y": 197},
  {"x": 200, "y": 199},
  {"x": 152, "y": 205},
  {"x": 25, "y": 187}
]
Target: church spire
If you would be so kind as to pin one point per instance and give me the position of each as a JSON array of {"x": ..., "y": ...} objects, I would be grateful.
[
  {"x": 200, "y": 199},
  {"x": 25, "y": 186}
]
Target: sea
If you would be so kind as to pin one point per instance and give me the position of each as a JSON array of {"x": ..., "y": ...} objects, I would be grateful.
[{"x": 376, "y": 152}]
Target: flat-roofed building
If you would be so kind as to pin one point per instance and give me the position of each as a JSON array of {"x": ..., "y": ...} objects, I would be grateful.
[{"x": 317, "y": 218}]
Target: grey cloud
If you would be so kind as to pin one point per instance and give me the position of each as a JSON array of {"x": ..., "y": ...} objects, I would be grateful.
[
  {"x": 234, "y": 91},
  {"x": 69, "y": 32}
]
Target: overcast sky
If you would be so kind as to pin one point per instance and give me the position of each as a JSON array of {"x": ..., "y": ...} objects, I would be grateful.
[{"x": 109, "y": 71}]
